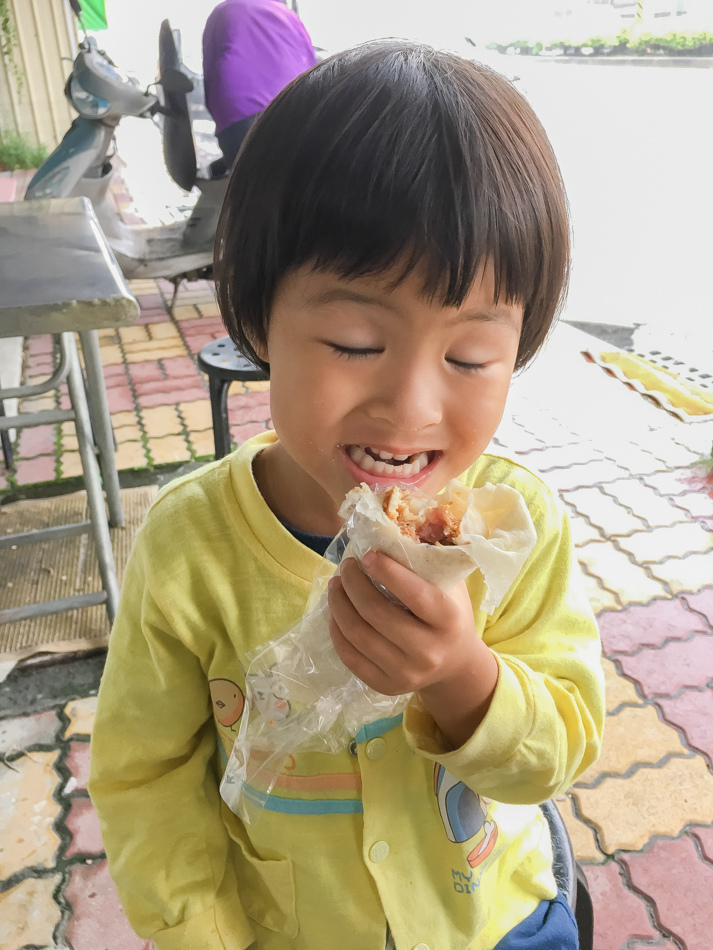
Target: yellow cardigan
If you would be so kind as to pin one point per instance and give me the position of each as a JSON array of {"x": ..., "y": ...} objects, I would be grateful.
[{"x": 448, "y": 847}]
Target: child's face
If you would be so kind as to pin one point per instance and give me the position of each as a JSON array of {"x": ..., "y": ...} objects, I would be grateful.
[{"x": 358, "y": 371}]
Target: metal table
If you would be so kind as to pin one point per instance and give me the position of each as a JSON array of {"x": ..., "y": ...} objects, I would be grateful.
[{"x": 58, "y": 275}]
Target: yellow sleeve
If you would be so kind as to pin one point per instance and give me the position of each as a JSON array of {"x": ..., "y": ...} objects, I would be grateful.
[
  {"x": 544, "y": 725},
  {"x": 151, "y": 779}
]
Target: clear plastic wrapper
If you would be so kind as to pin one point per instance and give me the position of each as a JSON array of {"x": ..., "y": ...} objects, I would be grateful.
[{"x": 299, "y": 694}]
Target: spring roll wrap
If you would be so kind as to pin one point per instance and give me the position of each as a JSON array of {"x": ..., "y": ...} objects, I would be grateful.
[{"x": 443, "y": 540}]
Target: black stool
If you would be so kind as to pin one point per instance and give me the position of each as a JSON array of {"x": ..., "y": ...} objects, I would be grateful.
[{"x": 223, "y": 362}]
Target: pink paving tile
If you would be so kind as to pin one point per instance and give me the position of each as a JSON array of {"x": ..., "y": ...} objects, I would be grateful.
[
  {"x": 150, "y": 301},
  {"x": 702, "y": 602},
  {"x": 36, "y": 440},
  {"x": 83, "y": 825},
  {"x": 114, "y": 374},
  {"x": 179, "y": 366},
  {"x": 705, "y": 839},
  {"x": 32, "y": 471},
  {"x": 98, "y": 921},
  {"x": 248, "y": 400},
  {"x": 663, "y": 945},
  {"x": 692, "y": 712},
  {"x": 3, "y": 479},
  {"x": 120, "y": 399},
  {"x": 149, "y": 400},
  {"x": 673, "y": 875},
  {"x": 623, "y": 631},
  {"x": 242, "y": 433},
  {"x": 196, "y": 342},
  {"x": 146, "y": 372},
  {"x": 619, "y": 914},
  {"x": 255, "y": 414},
  {"x": 149, "y": 387},
  {"x": 664, "y": 671},
  {"x": 78, "y": 765},
  {"x": 200, "y": 325},
  {"x": 152, "y": 316}
]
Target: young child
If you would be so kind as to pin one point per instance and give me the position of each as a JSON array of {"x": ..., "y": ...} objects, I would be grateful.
[{"x": 394, "y": 244}]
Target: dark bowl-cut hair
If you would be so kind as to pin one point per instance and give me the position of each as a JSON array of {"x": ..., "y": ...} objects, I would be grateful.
[{"x": 388, "y": 157}]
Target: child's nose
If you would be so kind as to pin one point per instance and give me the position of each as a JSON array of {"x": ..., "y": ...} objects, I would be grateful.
[{"x": 409, "y": 397}]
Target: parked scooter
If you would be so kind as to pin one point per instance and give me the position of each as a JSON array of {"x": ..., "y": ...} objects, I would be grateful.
[{"x": 83, "y": 162}]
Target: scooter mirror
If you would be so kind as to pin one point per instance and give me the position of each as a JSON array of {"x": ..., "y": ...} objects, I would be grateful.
[
  {"x": 76, "y": 9},
  {"x": 173, "y": 80}
]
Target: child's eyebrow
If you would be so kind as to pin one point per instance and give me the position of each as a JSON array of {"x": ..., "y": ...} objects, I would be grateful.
[{"x": 494, "y": 314}]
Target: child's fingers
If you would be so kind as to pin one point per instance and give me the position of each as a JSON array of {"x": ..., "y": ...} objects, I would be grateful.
[
  {"x": 391, "y": 620},
  {"x": 425, "y": 601},
  {"x": 364, "y": 637},
  {"x": 360, "y": 665}
]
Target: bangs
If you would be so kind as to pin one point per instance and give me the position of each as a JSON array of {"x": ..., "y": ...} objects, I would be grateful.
[{"x": 387, "y": 158}]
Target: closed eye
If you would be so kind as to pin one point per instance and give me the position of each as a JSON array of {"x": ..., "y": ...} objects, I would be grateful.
[
  {"x": 354, "y": 352},
  {"x": 467, "y": 367}
]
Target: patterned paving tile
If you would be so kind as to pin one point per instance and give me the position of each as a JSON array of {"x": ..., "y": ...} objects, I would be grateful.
[
  {"x": 97, "y": 917},
  {"x": 28, "y": 914},
  {"x": 702, "y": 601},
  {"x": 80, "y": 713},
  {"x": 603, "y": 511},
  {"x": 618, "y": 689},
  {"x": 685, "y": 573},
  {"x": 705, "y": 840},
  {"x": 619, "y": 915},
  {"x": 648, "y": 625},
  {"x": 28, "y": 813},
  {"x": 618, "y": 574},
  {"x": 652, "y": 801},
  {"x": 78, "y": 765},
  {"x": 581, "y": 835},
  {"x": 633, "y": 735},
  {"x": 672, "y": 541},
  {"x": 674, "y": 876},
  {"x": 644, "y": 502},
  {"x": 692, "y": 711},
  {"x": 676, "y": 482},
  {"x": 583, "y": 532},
  {"x": 666, "y": 670},
  {"x": 83, "y": 825},
  {"x": 699, "y": 505}
]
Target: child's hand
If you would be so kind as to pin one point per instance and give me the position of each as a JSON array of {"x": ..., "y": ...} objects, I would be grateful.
[{"x": 431, "y": 648}]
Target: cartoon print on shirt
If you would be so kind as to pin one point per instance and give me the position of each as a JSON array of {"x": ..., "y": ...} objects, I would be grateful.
[
  {"x": 270, "y": 696},
  {"x": 228, "y": 702},
  {"x": 464, "y": 814}
]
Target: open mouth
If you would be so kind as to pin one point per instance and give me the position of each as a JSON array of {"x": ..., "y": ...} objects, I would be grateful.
[{"x": 386, "y": 465}]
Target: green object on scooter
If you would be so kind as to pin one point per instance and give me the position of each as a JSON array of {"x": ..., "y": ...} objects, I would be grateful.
[{"x": 94, "y": 14}]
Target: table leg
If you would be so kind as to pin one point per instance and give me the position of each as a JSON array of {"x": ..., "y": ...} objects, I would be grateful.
[
  {"x": 92, "y": 478},
  {"x": 103, "y": 432}
]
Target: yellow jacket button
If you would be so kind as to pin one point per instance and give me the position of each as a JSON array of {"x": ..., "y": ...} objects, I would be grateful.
[
  {"x": 421, "y": 946},
  {"x": 375, "y": 749},
  {"x": 378, "y": 851}
]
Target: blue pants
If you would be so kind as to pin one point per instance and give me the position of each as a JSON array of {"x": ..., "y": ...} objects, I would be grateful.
[{"x": 551, "y": 926}]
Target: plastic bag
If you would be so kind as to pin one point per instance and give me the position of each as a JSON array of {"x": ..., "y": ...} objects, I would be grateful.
[{"x": 299, "y": 694}]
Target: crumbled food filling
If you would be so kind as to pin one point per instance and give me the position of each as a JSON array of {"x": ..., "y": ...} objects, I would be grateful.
[{"x": 430, "y": 525}]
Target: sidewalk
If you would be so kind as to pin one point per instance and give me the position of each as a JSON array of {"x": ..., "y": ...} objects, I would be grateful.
[{"x": 641, "y": 819}]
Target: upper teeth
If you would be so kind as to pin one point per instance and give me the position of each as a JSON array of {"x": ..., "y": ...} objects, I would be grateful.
[{"x": 365, "y": 461}]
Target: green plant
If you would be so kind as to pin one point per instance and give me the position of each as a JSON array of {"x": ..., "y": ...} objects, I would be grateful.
[
  {"x": 17, "y": 152},
  {"x": 9, "y": 43}
]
